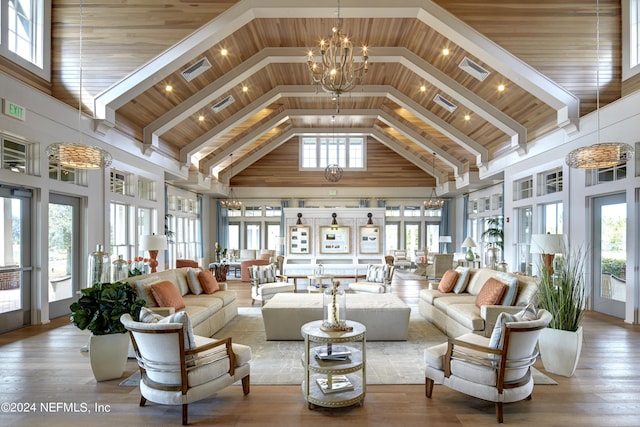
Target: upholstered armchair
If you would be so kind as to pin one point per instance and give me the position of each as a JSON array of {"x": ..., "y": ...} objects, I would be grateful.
[
  {"x": 377, "y": 281},
  {"x": 178, "y": 368},
  {"x": 439, "y": 265},
  {"x": 400, "y": 259},
  {"x": 265, "y": 283},
  {"x": 496, "y": 369}
]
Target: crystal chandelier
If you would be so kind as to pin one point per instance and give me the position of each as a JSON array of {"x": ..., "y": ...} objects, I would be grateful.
[
  {"x": 599, "y": 155},
  {"x": 231, "y": 202},
  {"x": 337, "y": 72},
  {"x": 76, "y": 155},
  {"x": 433, "y": 202}
]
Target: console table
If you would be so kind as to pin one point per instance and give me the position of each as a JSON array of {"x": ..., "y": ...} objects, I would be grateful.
[{"x": 354, "y": 368}]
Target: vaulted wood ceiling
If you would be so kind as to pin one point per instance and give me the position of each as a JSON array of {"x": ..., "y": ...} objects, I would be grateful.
[{"x": 543, "y": 51}]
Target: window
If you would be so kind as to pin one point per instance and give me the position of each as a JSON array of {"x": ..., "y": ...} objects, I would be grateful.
[
  {"x": 147, "y": 189},
  {"x": 14, "y": 156},
  {"x": 120, "y": 243},
  {"x": 273, "y": 211},
  {"x": 253, "y": 211},
  {"x": 392, "y": 236},
  {"x": 411, "y": 238},
  {"x": 23, "y": 38},
  {"x": 552, "y": 218},
  {"x": 433, "y": 212},
  {"x": 634, "y": 34},
  {"x": 411, "y": 211},
  {"x": 523, "y": 189},
  {"x": 319, "y": 152},
  {"x": 120, "y": 183},
  {"x": 392, "y": 211},
  {"x": 234, "y": 235},
  {"x": 252, "y": 233},
  {"x": 524, "y": 218},
  {"x": 273, "y": 237},
  {"x": 551, "y": 182},
  {"x": 599, "y": 176}
]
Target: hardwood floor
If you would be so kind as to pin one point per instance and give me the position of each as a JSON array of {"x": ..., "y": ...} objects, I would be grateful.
[{"x": 43, "y": 364}]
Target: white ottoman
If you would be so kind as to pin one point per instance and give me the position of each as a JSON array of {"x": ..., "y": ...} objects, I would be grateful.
[{"x": 385, "y": 316}]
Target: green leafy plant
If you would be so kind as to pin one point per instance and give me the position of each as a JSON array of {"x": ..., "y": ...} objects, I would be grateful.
[
  {"x": 562, "y": 292},
  {"x": 100, "y": 307},
  {"x": 495, "y": 231}
]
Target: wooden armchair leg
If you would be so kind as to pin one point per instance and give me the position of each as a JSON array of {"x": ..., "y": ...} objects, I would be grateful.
[
  {"x": 428, "y": 387},
  {"x": 185, "y": 415},
  {"x": 246, "y": 385},
  {"x": 143, "y": 400},
  {"x": 499, "y": 411}
]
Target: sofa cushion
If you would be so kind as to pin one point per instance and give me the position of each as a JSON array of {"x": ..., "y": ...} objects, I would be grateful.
[
  {"x": 463, "y": 279},
  {"x": 444, "y": 301},
  {"x": 448, "y": 281},
  {"x": 167, "y": 294},
  {"x": 468, "y": 315},
  {"x": 143, "y": 288},
  {"x": 478, "y": 278},
  {"x": 527, "y": 290},
  {"x": 491, "y": 293},
  {"x": 208, "y": 282},
  {"x": 193, "y": 281}
]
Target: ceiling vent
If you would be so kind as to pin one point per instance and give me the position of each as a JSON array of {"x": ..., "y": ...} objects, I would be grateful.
[
  {"x": 223, "y": 104},
  {"x": 474, "y": 69},
  {"x": 196, "y": 69},
  {"x": 445, "y": 103}
]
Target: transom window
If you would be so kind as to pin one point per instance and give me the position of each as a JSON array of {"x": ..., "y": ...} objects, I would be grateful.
[
  {"x": 551, "y": 182},
  {"x": 319, "y": 152},
  {"x": 523, "y": 189},
  {"x": 602, "y": 175},
  {"x": 24, "y": 33}
]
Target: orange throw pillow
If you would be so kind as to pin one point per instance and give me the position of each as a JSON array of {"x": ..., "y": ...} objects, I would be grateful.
[
  {"x": 208, "y": 282},
  {"x": 491, "y": 293},
  {"x": 448, "y": 281},
  {"x": 167, "y": 295}
]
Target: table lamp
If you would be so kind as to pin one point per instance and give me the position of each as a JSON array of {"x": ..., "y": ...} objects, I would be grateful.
[
  {"x": 547, "y": 245},
  {"x": 153, "y": 244},
  {"x": 445, "y": 240},
  {"x": 469, "y": 243}
]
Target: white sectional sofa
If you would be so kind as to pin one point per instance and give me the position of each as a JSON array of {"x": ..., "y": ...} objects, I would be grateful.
[
  {"x": 457, "y": 313},
  {"x": 208, "y": 312}
]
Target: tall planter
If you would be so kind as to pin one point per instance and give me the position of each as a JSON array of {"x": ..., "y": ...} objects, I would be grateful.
[
  {"x": 108, "y": 355},
  {"x": 560, "y": 350}
]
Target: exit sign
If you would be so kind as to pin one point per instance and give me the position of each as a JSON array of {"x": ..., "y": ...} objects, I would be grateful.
[{"x": 14, "y": 110}]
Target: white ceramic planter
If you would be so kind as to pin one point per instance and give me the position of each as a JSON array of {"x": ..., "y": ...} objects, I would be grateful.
[
  {"x": 560, "y": 350},
  {"x": 108, "y": 355}
]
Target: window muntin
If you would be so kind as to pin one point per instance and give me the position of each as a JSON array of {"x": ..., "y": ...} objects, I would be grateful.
[
  {"x": 523, "y": 189},
  {"x": 319, "y": 152}
]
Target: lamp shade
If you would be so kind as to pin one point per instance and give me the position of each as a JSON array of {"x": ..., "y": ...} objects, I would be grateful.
[
  {"x": 468, "y": 243},
  {"x": 547, "y": 243},
  {"x": 444, "y": 239},
  {"x": 153, "y": 242}
]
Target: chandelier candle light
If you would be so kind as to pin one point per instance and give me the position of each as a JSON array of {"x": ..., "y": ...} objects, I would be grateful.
[
  {"x": 337, "y": 72},
  {"x": 433, "y": 202}
]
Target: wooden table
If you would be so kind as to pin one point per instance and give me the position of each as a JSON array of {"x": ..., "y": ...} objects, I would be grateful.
[{"x": 219, "y": 270}]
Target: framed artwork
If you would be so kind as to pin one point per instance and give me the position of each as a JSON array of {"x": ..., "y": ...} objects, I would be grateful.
[
  {"x": 334, "y": 240},
  {"x": 299, "y": 239},
  {"x": 369, "y": 240}
]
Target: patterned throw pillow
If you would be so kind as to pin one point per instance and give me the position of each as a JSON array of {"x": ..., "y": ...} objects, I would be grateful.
[
  {"x": 208, "y": 281},
  {"x": 262, "y": 274},
  {"x": 149, "y": 316},
  {"x": 491, "y": 292},
  {"x": 167, "y": 295},
  {"x": 448, "y": 281}
]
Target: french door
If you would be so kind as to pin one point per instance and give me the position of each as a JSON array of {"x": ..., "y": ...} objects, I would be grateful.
[
  {"x": 609, "y": 254},
  {"x": 64, "y": 255},
  {"x": 15, "y": 258}
]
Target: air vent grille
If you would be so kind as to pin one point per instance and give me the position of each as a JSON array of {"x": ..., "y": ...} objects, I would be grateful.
[
  {"x": 445, "y": 103},
  {"x": 223, "y": 104},
  {"x": 196, "y": 69},
  {"x": 474, "y": 69}
]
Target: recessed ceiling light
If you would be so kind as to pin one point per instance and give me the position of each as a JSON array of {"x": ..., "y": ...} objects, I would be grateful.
[
  {"x": 168, "y": 88},
  {"x": 445, "y": 51},
  {"x": 467, "y": 117},
  {"x": 224, "y": 52},
  {"x": 423, "y": 88},
  {"x": 501, "y": 88},
  {"x": 201, "y": 118},
  {"x": 245, "y": 89}
]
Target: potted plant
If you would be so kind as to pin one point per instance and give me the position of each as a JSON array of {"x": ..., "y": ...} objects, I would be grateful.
[
  {"x": 562, "y": 293},
  {"x": 494, "y": 234},
  {"x": 99, "y": 310}
]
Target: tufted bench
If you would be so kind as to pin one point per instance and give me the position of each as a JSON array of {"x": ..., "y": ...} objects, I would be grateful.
[{"x": 385, "y": 315}]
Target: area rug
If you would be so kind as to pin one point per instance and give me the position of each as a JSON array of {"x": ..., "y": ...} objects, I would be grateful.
[{"x": 279, "y": 362}]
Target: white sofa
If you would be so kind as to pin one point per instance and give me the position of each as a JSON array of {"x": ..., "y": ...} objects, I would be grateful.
[
  {"x": 457, "y": 314},
  {"x": 208, "y": 312}
]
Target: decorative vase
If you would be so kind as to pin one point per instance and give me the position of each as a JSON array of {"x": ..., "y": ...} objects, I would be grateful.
[
  {"x": 120, "y": 269},
  {"x": 99, "y": 267},
  {"x": 319, "y": 270},
  {"x": 470, "y": 256},
  {"x": 108, "y": 355},
  {"x": 560, "y": 350},
  {"x": 334, "y": 303}
]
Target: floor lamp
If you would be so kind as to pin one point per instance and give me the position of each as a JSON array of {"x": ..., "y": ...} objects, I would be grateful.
[{"x": 153, "y": 244}]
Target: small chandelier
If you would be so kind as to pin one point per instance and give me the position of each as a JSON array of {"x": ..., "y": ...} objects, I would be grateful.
[
  {"x": 599, "y": 155},
  {"x": 337, "y": 73},
  {"x": 433, "y": 202},
  {"x": 231, "y": 202},
  {"x": 333, "y": 173},
  {"x": 78, "y": 156}
]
